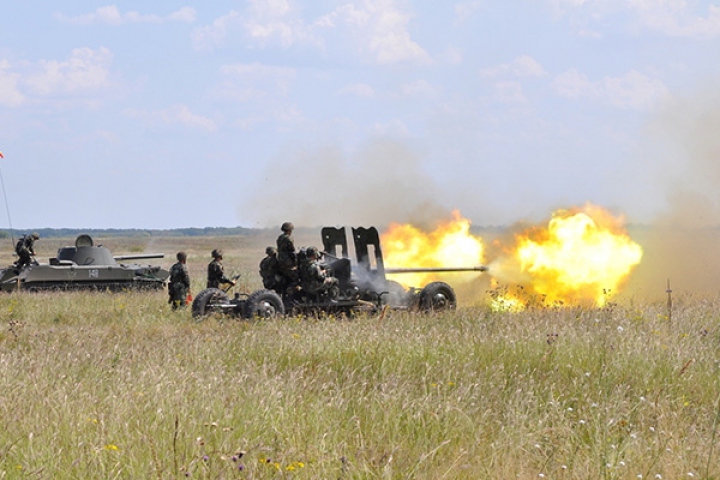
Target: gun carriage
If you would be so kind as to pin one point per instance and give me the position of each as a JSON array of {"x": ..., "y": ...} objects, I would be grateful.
[{"x": 363, "y": 285}]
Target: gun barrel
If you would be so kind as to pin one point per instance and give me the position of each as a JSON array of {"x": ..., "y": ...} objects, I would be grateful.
[
  {"x": 479, "y": 268},
  {"x": 139, "y": 256}
]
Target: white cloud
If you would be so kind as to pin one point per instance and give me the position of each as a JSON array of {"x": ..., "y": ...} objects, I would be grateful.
[
  {"x": 175, "y": 115},
  {"x": 254, "y": 82},
  {"x": 357, "y": 89},
  {"x": 86, "y": 69},
  {"x": 379, "y": 28},
  {"x": 382, "y": 30},
  {"x": 110, "y": 15},
  {"x": 264, "y": 22},
  {"x": 509, "y": 92},
  {"x": 572, "y": 84},
  {"x": 674, "y": 19},
  {"x": 463, "y": 10},
  {"x": 394, "y": 128},
  {"x": 452, "y": 56},
  {"x": 214, "y": 35},
  {"x": 10, "y": 96},
  {"x": 419, "y": 88},
  {"x": 270, "y": 20},
  {"x": 678, "y": 18},
  {"x": 633, "y": 90},
  {"x": 523, "y": 66}
]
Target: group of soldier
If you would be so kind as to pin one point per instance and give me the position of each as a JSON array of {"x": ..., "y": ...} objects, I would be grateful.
[
  {"x": 284, "y": 269},
  {"x": 179, "y": 282}
]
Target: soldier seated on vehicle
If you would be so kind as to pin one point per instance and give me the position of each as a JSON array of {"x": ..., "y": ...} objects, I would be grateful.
[
  {"x": 316, "y": 278},
  {"x": 270, "y": 270}
]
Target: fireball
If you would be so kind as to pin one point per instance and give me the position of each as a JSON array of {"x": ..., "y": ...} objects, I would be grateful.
[
  {"x": 581, "y": 256},
  {"x": 450, "y": 245}
]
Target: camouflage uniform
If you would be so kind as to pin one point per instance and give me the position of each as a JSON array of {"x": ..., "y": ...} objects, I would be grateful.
[
  {"x": 216, "y": 274},
  {"x": 269, "y": 269},
  {"x": 286, "y": 256},
  {"x": 315, "y": 278},
  {"x": 179, "y": 285},
  {"x": 25, "y": 248}
]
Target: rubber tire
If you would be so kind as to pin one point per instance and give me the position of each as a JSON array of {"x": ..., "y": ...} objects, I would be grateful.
[
  {"x": 202, "y": 304},
  {"x": 437, "y": 297},
  {"x": 264, "y": 304}
]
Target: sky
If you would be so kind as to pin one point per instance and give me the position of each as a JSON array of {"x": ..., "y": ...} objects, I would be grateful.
[{"x": 357, "y": 112}]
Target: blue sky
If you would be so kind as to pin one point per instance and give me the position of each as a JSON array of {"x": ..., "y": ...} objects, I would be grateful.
[{"x": 173, "y": 114}]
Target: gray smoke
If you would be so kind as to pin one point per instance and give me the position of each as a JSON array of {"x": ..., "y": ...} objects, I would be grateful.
[
  {"x": 383, "y": 183},
  {"x": 682, "y": 244}
]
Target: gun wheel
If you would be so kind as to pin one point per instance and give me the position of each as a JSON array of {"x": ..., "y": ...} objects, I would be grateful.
[
  {"x": 264, "y": 304},
  {"x": 208, "y": 302},
  {"x": 437, "y": 296}
]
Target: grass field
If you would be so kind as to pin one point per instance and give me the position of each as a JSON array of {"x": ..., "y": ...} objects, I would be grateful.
[{"x": 96, "y": 385}]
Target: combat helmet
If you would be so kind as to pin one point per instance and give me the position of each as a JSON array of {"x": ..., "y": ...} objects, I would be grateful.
[
  {"x": 270, "y": 251},
  {"x": 217, "y": 253},
  {"x": 35, "y": 235},
  {"x": 287, "y": 227},
  {"x": 312, "y": 252}
]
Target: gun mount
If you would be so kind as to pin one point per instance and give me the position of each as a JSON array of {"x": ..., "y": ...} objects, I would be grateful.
[
  {"x": 85, "y": 266},
  {"x": 363, "y": 285}
]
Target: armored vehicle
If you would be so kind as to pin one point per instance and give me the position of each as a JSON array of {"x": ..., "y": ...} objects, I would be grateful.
[
  {"x": 363, "y": 286},
  {"x": 86, "y": 266}
]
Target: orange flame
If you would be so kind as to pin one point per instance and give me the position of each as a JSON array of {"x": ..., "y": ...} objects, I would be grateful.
[
  {"x": 582, "y": 255},
  {"x": 450, "y": 245}
]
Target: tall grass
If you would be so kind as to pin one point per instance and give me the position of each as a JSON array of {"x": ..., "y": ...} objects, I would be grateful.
[{"x": 118, "y": 386}]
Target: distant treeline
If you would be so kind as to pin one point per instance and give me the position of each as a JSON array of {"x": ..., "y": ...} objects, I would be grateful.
[{"x": 133, "y": 232}]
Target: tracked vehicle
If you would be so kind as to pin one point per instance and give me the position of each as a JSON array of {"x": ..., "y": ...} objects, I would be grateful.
[
  {"x": 363, "y": 286},
  {"x": 86, "y": 266}
]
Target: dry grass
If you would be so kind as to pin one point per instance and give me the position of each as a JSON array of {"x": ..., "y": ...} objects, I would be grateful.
[{"x": 96, "y": 385}]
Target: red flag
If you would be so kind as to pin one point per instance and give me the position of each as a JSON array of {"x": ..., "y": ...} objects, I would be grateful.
[{"x": 1, "y": 155}]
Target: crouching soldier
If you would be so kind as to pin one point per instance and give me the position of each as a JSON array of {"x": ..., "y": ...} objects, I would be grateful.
[
  {"x": 179, "y": 285},
  {"x": 315, "y": 276},
  {"x": 25, "y": 249}
]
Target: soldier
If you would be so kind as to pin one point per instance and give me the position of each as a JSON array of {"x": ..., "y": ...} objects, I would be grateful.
[
  {"x": 179, "y": 284},
  {"x": 287, "y": 259},
  {"x": 25, "y": 248},
  {"x": 315, "y": 276},
  {"x": 269, "y": 268},
  {"x": 216, "y": 271}
]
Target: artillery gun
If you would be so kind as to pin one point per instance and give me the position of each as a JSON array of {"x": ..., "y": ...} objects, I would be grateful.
[
  {"x": 86, "y": 267},
  {"x": 363, "y": 286}
]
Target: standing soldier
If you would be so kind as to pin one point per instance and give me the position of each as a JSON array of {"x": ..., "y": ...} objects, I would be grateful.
[
  {"x": 25, "y": 248},
  {"x": 269, "y": 268},
  {"x": 179, "y": 285},
  {"x": 216, "y": 271},
  {"x": 287, "y": 259}
]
